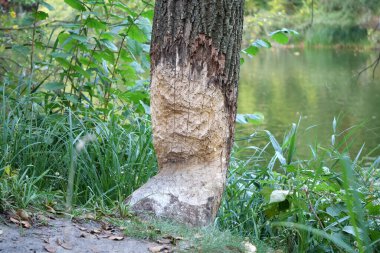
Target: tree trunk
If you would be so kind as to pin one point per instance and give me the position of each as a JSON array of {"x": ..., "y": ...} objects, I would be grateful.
[{"x": 194, "y": 79}]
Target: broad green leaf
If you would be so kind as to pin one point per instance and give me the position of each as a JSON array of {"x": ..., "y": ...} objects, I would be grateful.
[
  {"x": 148, "y": 14},
  {"x": 79, "y": 38},
  {"x": 81, "y": 71},
  {"x": 137, "y": 67},
  {"x": 134, "y": 47},
  {"x": 145, "y": 26},
  {"x": 22, "y": 50},
  {"x": 135, "y": 33},
  {"x": 76, "y": 4},
  {"x": 373, "y": 209},
  {"x": 40, "y": 15},
  {"x": 109, "y": 36},
  {"x": 251, "y": 50},
  {"x": 94, "y": 23},
  {"x": 72, "y": 98},
  {"x": 266, "y": 192},
  {"x": 334, "y": 210},
  {"x": 63, "y": 62},
  {"x": 351, "y": 230},
  {"x": 109, "y": 45},
  {"x": 280, "y": 37},
  {"x": 59, "y": 55},
  {"x": 105, "y": 54},
  {"x": 54, "y": 86}
]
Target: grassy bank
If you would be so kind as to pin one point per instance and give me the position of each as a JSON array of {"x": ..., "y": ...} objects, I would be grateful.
[{"x": 326, "y": 203}]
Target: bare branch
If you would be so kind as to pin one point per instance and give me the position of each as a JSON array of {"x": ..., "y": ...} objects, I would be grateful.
[{"x": 373, "y": 65}]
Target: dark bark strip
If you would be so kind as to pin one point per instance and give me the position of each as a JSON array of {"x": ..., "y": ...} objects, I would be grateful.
[{"x": 202, "y": 32}]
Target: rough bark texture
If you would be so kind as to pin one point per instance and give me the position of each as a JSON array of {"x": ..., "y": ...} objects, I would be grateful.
[{"x": 195, "y": 70}]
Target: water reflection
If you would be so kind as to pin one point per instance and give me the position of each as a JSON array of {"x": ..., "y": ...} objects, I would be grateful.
[{"x": 317, "y": 85}]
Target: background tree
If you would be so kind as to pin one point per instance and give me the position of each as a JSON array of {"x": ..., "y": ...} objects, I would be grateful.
[{"x": 194, "y": 77}]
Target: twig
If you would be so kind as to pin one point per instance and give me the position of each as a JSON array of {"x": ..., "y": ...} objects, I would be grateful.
[
  {"x": 373, "y": 65},
  {"x": 313, "y": 210},
  {"x": 34, "y": 25}
]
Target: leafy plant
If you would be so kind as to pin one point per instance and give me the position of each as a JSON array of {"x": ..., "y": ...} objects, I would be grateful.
[{"x": 325, "y": 203}]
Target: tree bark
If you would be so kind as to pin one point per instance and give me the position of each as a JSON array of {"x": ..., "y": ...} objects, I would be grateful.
[{"x": 194, "y": 78}]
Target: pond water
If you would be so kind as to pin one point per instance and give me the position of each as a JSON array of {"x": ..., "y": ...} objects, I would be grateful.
[{"x": 316, "y": 85}]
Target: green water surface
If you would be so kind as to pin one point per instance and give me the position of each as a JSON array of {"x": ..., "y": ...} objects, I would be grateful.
[{"x": 316, "y": 85}]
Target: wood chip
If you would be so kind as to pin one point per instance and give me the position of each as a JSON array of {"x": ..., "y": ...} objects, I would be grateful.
[{"x": 116, "y": 238}]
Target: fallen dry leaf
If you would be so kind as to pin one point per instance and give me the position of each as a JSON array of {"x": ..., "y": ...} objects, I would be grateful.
[
  {"x": 23, "y": 214},
  {"x": 95, "y": 231},
  {"x": 42, "y": 218},
  {"x": 64, "y": 244},
  {"x": 116, "y": 238},
  {"x": 14, "y": 220},
  {"x": 51, "y": 209},
  {"x": 81, "y": 228},
  {"x": 26, "y": 224},
  {"x": 159, "y": 248},
  {"x": 106, "y": 226},
  {"x": 249, "y": 247},
  {"x": 164, "y": 241},
  {"x": 50, "y": 248},
  {"x": 173, "y": 239},
  {"x": 89, "y": 216}
]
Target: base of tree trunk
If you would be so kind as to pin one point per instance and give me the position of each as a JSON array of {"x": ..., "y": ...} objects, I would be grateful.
[{"x": 189, "y": 195}]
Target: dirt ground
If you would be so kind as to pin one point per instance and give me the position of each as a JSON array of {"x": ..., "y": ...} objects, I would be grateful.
[{"x": 62, "y": 235}]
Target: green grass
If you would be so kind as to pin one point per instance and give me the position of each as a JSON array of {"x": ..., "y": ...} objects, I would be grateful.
[
  {"x": 185, "y": 239},
  {"x": 331, "y": 206},
  {"x": 110, "y": 158}
]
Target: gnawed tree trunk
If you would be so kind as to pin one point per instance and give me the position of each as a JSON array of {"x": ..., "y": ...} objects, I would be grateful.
[{"x": 194, "y": 77}]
